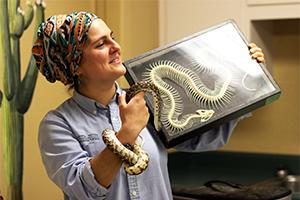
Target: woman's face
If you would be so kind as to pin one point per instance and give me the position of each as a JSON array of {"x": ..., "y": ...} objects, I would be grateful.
[{"x": 101, "y": 60}]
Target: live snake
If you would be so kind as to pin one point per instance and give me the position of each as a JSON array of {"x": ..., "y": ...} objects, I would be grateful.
[
  {"x": 168, "y": 107},
  {"x": 135, "y": 160}
]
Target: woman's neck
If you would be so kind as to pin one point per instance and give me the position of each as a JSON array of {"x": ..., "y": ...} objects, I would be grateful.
[{"x": 103, "y": 94}]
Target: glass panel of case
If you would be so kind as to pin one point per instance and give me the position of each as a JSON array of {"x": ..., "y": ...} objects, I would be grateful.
[{"x": 204, "y": 80}]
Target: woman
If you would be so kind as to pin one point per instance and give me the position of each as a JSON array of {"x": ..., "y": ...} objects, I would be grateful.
[{"x": 79, "y": 49}]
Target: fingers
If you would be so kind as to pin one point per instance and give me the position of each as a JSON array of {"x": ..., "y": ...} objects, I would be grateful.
[
  {"x": 140, "y": 95},
  {"x": 134, "y": 114},
  {"x": 256, "y": 52},
  {"x": 139, "y": 101},
  {"x": 259, "y": 56},
  {"x": 252, "y": 45},
  {"x": 254, "y": 48}
]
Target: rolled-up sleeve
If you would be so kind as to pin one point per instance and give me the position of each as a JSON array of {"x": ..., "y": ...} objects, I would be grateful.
[
  {"x": 66, "y": 163},
  {"x": 210, "y": 140}
]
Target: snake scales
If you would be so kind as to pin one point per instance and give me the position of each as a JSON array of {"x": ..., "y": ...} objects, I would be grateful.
[{"x": 168, "y": 107}]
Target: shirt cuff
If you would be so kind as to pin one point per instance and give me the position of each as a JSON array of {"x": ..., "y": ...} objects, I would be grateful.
[{"x": 91, "y": 182}]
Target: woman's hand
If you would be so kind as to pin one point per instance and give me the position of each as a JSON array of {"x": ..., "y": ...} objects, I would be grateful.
[
  {"x": 256, "y": 53},
  {"x": 134, "y": 117}
]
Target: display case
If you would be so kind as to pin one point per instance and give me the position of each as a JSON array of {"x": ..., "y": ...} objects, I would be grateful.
[{"x": 204, "y": 80}]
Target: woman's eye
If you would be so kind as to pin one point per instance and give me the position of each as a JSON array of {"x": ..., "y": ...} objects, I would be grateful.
[{"x": 100, "y": 45}]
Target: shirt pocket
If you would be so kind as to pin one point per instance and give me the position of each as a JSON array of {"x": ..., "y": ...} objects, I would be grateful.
[{"x": 91, "y": 142}]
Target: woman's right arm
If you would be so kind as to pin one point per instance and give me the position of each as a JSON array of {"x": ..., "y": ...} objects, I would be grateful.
[
  {"x": 66, "y": 162},
  {"x": 73, "y": 169}
]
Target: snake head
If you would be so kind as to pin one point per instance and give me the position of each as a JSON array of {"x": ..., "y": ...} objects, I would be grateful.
[{"x": 205, "y": 114}]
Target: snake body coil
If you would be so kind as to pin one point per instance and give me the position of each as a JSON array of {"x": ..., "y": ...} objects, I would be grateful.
[{"x": 135, "y": 161}]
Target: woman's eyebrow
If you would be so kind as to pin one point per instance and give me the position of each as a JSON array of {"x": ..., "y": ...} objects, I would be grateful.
[{"x": 97, "y": 40}]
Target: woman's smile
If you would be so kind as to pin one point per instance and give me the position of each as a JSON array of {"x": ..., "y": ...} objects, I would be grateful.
[{"x": 116, "y": 60}]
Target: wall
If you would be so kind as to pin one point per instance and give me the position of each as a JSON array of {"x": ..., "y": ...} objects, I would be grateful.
[
  {"x": 132, "y": 21},
  {"x": 179, "y": 18}
]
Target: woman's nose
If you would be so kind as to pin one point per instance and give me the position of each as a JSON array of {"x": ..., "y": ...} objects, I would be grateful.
[{"x": 115, "y": 46}]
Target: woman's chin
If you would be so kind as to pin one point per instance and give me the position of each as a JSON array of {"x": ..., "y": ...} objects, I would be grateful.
[{"x": 121, "y": 68}]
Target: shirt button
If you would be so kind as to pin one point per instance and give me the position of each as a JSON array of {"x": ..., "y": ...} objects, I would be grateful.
[
  {"x": 95, "y": 112},
  {"x": 133, "y": 193}
]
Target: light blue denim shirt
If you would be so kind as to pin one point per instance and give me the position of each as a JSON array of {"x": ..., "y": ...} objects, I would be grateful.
[{"x": 70, "y": 136}]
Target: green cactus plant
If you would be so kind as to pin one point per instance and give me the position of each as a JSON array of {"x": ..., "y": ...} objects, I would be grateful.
[{"x": 17, "y": 93}]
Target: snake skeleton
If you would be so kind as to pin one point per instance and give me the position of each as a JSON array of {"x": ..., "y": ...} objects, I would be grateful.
[
  {"x": 196, "y": 90},
  {"x": 168, "y": 107}
]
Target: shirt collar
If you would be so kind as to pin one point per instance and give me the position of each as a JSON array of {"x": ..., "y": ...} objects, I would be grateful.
[{"x": 90, "y": 104}]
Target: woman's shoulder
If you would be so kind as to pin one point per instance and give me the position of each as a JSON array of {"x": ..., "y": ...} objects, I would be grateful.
[{"x": 65, "y": 108}]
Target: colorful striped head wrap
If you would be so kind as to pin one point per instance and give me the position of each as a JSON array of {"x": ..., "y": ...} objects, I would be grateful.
[{"x": 59, "y": 43}]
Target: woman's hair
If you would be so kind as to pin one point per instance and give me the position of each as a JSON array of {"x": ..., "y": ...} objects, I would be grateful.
[
  {"x": 58, "y": 48},
  {"x": 75, "y": 84}
]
